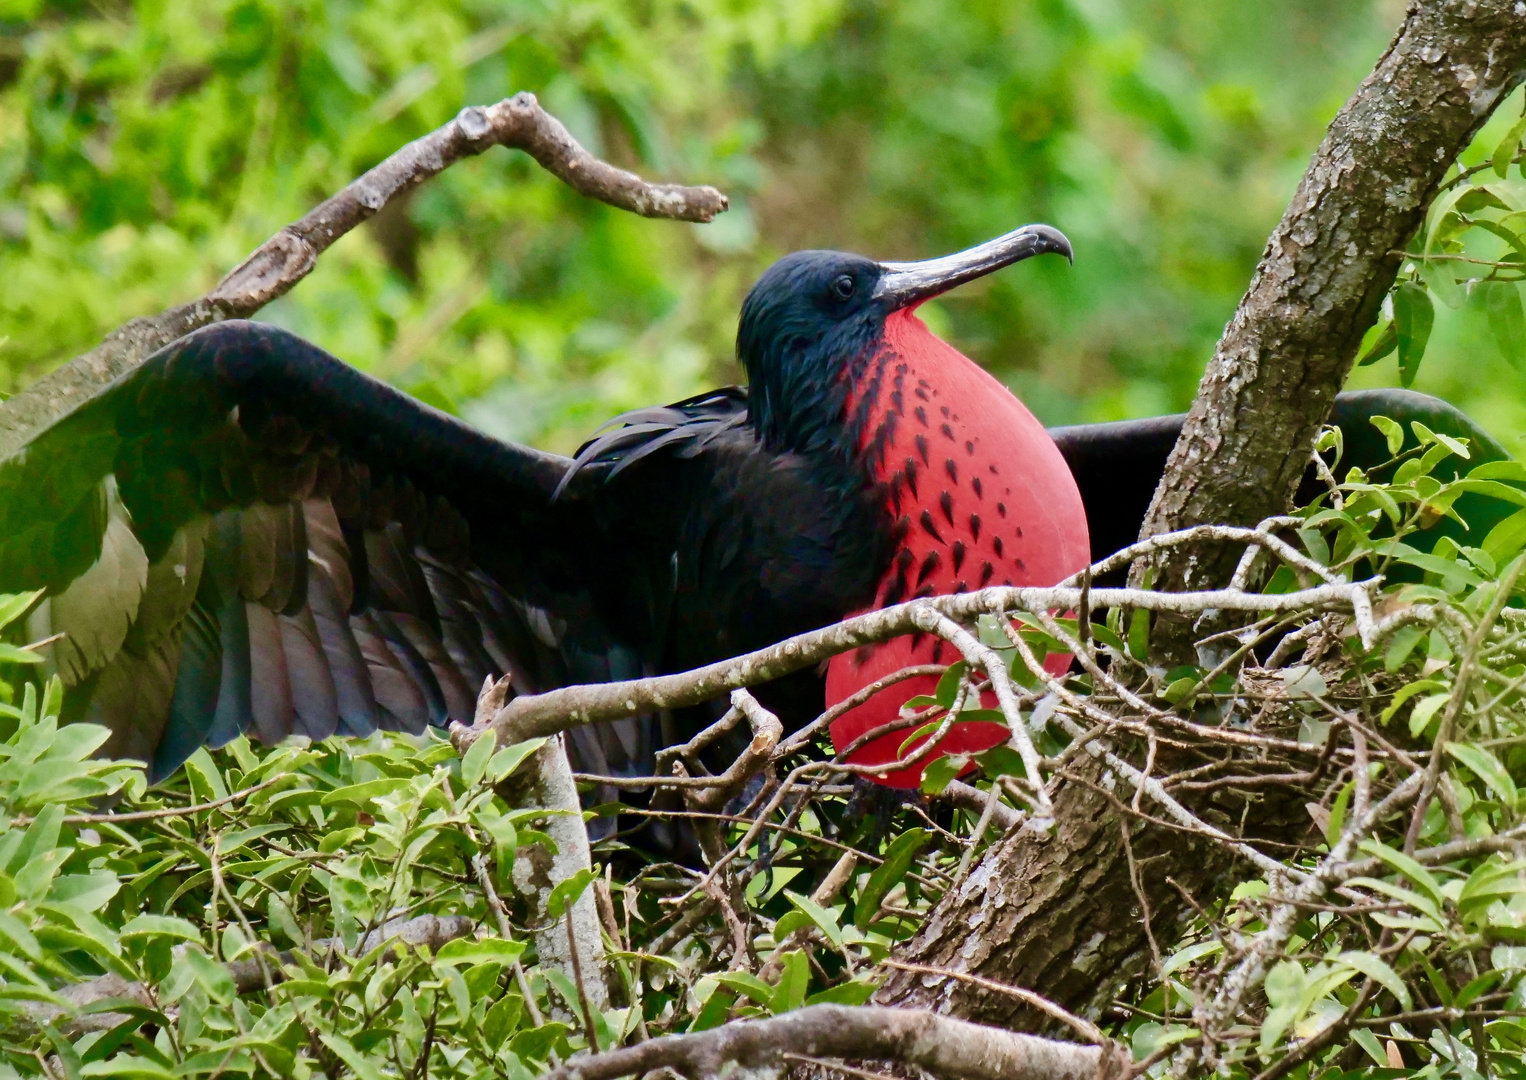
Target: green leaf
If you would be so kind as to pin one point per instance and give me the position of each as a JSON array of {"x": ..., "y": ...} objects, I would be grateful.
[
  {"x": 825, "y": 920},
  {"x": 1413, "y": 316},
  {"x": 1378, "y": 342},
  {"x": 1378, "y": 971},
  {"x": 160, "y": 926},
  {"x": 1001, "y": 761},
  {"x": 475, "y": 761},
  {"x": 14, "y": 605},
  {"x": 1406, "y": 866},
  {"x": 11, "y": 654},
  {"x": 1369, "y": 1042},
  {"x": 205, "y": 777},
  {"x": 1487, "y": 768},
  {"x": 40, "y": 838},
  {"x": 1150, "y": 1037},
  {"x": 1338, "y": 809},
  {"x": 508, "y": 758},
  {"x": 937, "y": 776},
  {"x": 1506, "y": 538},
  {"x": 744, "y": 982},
  {"x": 87, "y": 892},
  {"x": 537, "y": 1042},
  {"x": 1511, "y": 471},
  {"x": 948, "y": 684},
  {"x": 1194, "y": 952},
  {"x": 1406, "y": 692},
  {"x": 1427, "y": 436},
  {"x": 1502, "y": 303},
  {"x": 794, "y": 980},
  {"x": 1139, "y": 635},
  {"x": 364, "y": 794},
  {"x": 1391, "y": 429},
  {"x": 213, "y": 977},
  {"x": 848, "y": 993},
  {"x": 345, "y": 1050},
  {"x": 502, "y": 1019},
  {"x": 1476, "y": 198},
  {"x": 1500, "y": 159},
  {"x": 917, "y": 735},
  {"x": 475, "y": 951},
  {"x": 1424, "y": 711},
  {"x": 714, "y": 1014},
  {"x": 899, "y": 858},
  {"x": 128, "y": 1066},
  {"x": 68, "y": 1056},
  {"x": 1492, "y": 881},
  {"x": 566, "y": 893}
]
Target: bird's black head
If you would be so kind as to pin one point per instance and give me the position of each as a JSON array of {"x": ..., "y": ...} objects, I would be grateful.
[{"x": 815, "y": 319}]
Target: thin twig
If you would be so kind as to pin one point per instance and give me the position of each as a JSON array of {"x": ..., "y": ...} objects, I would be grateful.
[{"x": 1082, "y": 1027}]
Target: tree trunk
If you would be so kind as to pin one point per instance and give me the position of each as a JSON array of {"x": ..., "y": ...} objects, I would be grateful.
[
  {"x": 1323, "y": 276},
  {"x": 1059, "y": 915}
]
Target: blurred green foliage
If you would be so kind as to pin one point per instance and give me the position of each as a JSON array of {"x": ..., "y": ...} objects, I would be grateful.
[{"x": 145, "y": 148}]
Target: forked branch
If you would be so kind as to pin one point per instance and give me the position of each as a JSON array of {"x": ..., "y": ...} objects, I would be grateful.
[{"x": 290, "y": 255}]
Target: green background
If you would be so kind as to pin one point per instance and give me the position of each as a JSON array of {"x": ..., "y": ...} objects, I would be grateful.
[{"x": 146, "y": 148}]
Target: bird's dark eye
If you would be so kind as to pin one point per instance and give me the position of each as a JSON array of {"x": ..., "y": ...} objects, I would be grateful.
[{"x": 842, "y": 287}]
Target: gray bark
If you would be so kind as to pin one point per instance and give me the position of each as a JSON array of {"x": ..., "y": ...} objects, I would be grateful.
[
  {"x": 764, "y": 1049},
  {"x": 1324, "y": 273},
  {"x": 545, "y": 780}
]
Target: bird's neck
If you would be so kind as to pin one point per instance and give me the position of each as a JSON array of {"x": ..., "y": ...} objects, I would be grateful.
[{"x": 976, "y": 490}]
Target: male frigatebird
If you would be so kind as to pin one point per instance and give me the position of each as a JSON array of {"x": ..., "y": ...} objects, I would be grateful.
[{"x": 245, "y": 534}]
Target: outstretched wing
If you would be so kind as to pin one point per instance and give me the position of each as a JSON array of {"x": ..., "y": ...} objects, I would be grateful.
[
  {"x": 245, "y": 534},
  {"x": 1118, "y": 465}
]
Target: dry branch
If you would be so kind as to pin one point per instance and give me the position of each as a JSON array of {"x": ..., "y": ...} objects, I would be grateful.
[
  {"x": 290, "y": 255},
  {"x": 535, "y": 715},
  {"x": 573, "y": 944},
  {"x": 939, "y": 1044}
]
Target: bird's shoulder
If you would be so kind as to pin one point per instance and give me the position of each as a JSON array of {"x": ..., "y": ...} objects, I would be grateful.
[{"x": 682, "y": 430}]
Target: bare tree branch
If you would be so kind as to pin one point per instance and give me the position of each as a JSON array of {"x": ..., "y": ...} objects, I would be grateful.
[
  {"x": 944, "y": 1046},
  {"x": 558, "y": 710},
  {"x": 290, "y": 255},
  {"x": 575, "y": 944}
]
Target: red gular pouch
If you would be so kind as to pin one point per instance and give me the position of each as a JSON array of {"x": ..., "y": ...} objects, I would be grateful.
[{"x": 981, "y": 497}]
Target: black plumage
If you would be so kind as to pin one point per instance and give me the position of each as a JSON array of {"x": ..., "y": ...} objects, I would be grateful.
[{"x": 245, "y": 534}]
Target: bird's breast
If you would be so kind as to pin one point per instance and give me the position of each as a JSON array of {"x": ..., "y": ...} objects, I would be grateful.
[{"x": 979, "y": 495}]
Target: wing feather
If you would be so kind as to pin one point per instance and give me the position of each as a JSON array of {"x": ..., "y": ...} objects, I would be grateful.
[
  {"x": 170, "y": 587},
  {"x": 194, "y": 703},
  {"x": 401, "y": 699},
  {"x": 260, "y": 525},
  {"x": 95, "y": 611},
  {"x": 270, "y": 685},
  {"x": 312, "y": 685},
  {"x": 327, "y": 550},
  {"x": 352, "y": 685},
  {"x": 225, "y": 564},
  {"x": 131, "y": 698},
  {"x": 244, "y": 534}
]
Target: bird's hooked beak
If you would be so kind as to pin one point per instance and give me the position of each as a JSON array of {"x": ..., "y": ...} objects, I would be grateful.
[{"x": 903, "y": 284}]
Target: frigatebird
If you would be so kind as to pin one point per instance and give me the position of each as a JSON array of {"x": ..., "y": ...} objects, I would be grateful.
[{"x": 244, "y": 534}]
